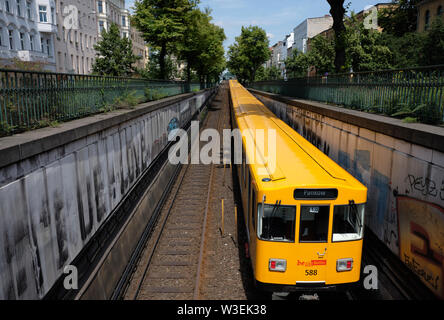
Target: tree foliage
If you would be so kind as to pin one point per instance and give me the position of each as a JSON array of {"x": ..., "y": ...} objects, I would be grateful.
[
  {"x": 271, "y": 73},
  {"x": 366, "y": 50},
  {"x": 152, "y": 69},
  {"x": 202, "y": 47},
  {"x": 162, "y": 24},
  {"x": 321, "y": 57},
  {"x": 114, "y": 55},
  {"x": 400, "y": 20},
  {"x": 248, "y": 53},
  {"x": 433, "y": 45}
]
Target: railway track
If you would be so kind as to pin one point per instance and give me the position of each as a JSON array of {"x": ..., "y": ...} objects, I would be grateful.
[{"x": 170, "y": 266}]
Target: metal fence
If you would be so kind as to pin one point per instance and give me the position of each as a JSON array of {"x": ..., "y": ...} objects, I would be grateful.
[
  {"x": 35, "y": 99},
  {"x": 415, "y": 92}
]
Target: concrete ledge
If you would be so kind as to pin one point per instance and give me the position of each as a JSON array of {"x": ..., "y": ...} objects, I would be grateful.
[
  {"x": 417, "y": 133},
  {"x": 27, "y": 144}
]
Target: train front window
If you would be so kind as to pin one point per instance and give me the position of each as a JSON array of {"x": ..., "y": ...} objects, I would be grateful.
[
  {"x": 314, "y": 223},
  {"x": 276, "y": 222},
  {"x": 348, "y": 222}
]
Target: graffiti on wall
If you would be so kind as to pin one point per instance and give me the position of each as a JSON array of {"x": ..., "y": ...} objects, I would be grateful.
[
  {"x": 49, "y": 213},
  {"x": 421, "y": 231}
]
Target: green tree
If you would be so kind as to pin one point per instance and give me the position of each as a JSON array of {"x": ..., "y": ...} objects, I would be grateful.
[
  {"x": 114, "y": 55},
  {"x": 433, "y": 52},
  {"x": 152, "y": 69},
  {"x": 162, "y": 24},
  {"x": 365, "y": 48},
  {"x": 248, "y": 53},
  {"x": 237, "y": 63},
  {"x": 297, "y": 64},
  {"x": 406, "y": 51},
  {"x": 322, "y": 55},
  {"x": 202, "y": 47}
]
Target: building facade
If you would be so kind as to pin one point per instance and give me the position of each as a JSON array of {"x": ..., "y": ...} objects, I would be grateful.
[
  {"x": 310, "y": 28},
  {"x": 140, "y": 48},
  {"x": 76, "y": 36},
  {"x": 61, "y": 34},
  {"x": 428, "y": 10},
  {"x": 27, "y": 32},
  {"x": 113, "y": 11}
]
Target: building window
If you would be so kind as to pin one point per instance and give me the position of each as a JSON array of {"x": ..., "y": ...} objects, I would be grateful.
[
  {"x": 100, "y": 6},
  {"x": 48, "y": 47},
  {"x": 22, "y": 40},
  {"x": 427, "y": 20},
  {"x": 53, "y": 20},
  {"x": 19, "y": 9},
  {"x": 11, "y": 39},
  {"x": 8, "y": 9},
  {"x": 42, "y": 44},
  {"x": 123, "y": 21},
  {"x": 439, "y": 11},
  {"x": 1, "y": 36},
  {"x": 42, "y": 14},
  {"x": 28, "y": 9},
  {"x": 101, "y": 26},
  {"x": 31, "y": 42}
]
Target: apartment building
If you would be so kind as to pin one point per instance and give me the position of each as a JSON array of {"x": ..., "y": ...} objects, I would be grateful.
[
  {"x": 113, "y": 11},
  {"x": 139, "y": 48},
  {"x": 310, "y": 28},
  {"x": 27, "y": 32},
  {"x": 76, "y": 36}
]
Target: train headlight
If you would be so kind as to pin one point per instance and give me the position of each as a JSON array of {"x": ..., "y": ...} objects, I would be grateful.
[
  {"x": 344, "y": 264},
  {"x": 277, "y": 265}
]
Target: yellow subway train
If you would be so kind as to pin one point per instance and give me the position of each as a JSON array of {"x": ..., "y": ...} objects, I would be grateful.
[{"x": 304, "y": 214}]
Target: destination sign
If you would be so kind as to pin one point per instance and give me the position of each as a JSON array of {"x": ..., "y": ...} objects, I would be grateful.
[{"x": 315, "y": 194}]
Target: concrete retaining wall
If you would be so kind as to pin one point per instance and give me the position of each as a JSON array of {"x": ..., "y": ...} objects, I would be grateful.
[
  {"x": 401, "y": 164},
  {"x": 58, "y": 185}
]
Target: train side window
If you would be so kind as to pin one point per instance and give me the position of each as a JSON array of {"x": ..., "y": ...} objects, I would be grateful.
[
  {"x": 247, "y": 172},
  {"x": 253, "y": 206},
  {"x": 243, "y": 168},
  {"x": 314, "y": 223},
  {"x": 276, "y": 222}
]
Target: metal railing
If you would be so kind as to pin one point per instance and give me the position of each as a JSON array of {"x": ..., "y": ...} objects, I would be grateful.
[
  {"x": 415, "y": 92},
  {"x": 35, "y": 99}
]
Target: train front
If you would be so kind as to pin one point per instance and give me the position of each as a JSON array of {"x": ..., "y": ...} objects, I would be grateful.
[{"x": 309, "y": 237}]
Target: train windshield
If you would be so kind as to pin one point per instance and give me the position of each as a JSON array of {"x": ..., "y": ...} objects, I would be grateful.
[
  {"x": 314, "y": 223},
  {"x": 276, "y": 222},
  {"x": 348, "y": 222}
]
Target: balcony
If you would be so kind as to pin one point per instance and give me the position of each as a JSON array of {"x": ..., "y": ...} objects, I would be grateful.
[
  {"x": 47, "y": 27},
  {"x": 27, "y": 55}
]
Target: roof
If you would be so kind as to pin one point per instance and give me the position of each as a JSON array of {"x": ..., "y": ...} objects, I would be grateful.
[{"x": 298, "y": 163}]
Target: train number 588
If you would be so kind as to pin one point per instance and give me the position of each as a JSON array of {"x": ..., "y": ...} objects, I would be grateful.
[{"x": 311, "y": 272}]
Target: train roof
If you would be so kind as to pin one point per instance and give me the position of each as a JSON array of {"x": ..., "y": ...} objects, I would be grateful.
[{"x": 298, "y": 162}]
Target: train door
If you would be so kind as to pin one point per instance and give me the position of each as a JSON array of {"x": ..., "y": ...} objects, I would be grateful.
[
  {"x": 252, "y": 216},
  {"x": 312, "y": 244}
]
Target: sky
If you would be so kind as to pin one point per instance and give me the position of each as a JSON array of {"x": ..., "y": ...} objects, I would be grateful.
[{"x": 278, "y": 18}]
